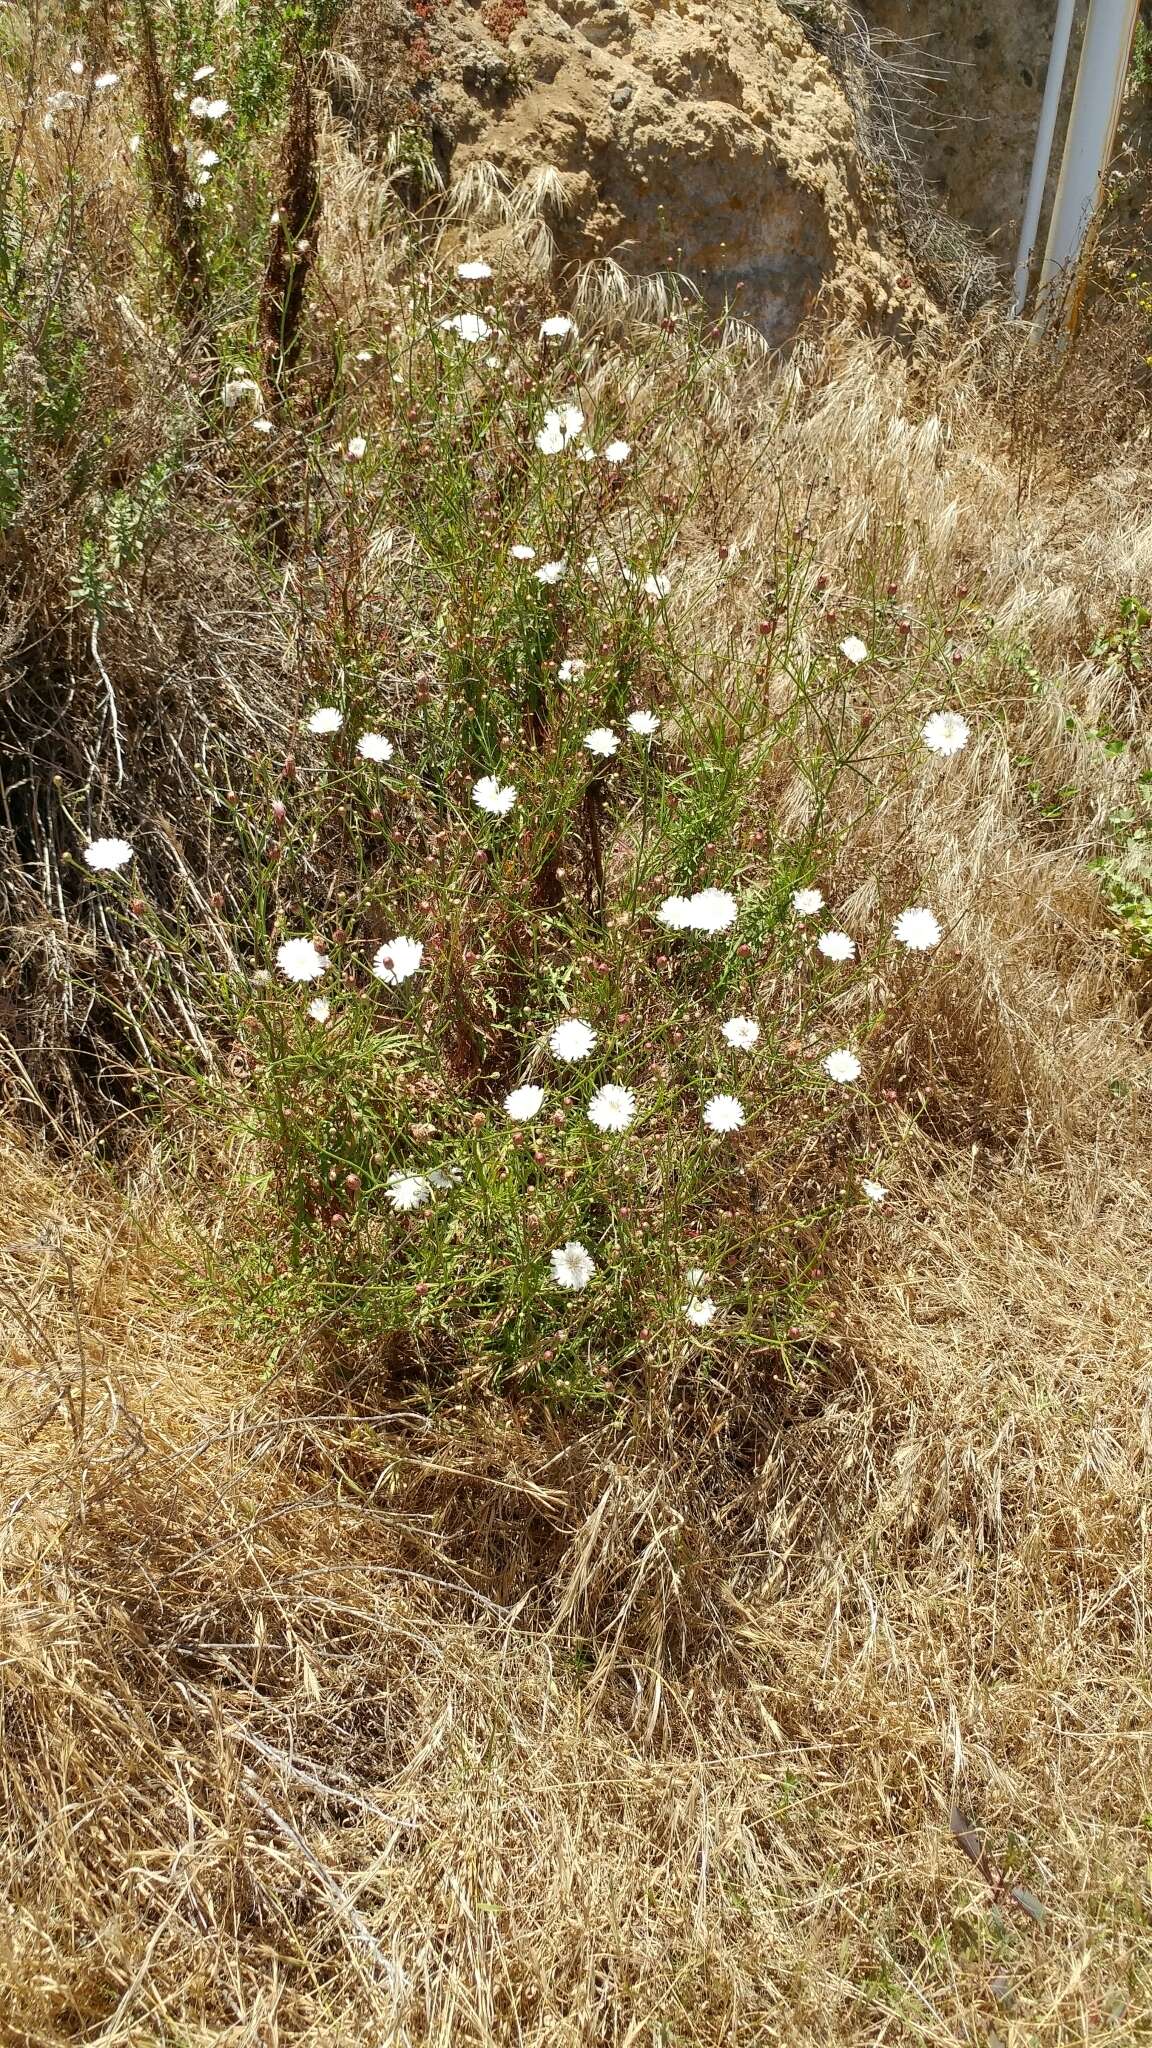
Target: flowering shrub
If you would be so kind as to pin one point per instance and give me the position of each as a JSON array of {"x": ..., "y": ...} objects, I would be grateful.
[
  {"x": 557, "y": 1058},
  {"x": 597, "y": 920}
]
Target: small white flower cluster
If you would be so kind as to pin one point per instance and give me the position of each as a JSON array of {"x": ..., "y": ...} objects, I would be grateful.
[
  {"x": 371, "y": 746},
  {"x": 917, "y": 928},
  {"x": 408, "y": 1191},
  {"x": 709, "y": 911},
  {"x": 561, "y": 427},
  {"x": 467, "y": 327},
  {"x": 393, "y": 963}
]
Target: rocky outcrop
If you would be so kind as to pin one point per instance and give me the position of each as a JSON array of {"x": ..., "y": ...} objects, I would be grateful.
[{"x": 706, "y": 136}]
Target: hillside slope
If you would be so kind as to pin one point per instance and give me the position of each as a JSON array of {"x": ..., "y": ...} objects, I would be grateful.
[{"x": 575, "y": 1268}]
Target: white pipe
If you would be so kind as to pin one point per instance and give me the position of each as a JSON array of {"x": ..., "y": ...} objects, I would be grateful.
[
  {"x": 1042, "y": 155},
  {"x": 1088, "y": 146}
]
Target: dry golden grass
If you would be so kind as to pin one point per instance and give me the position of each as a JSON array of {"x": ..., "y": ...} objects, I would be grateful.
[{"x": 486, "y": 1732}]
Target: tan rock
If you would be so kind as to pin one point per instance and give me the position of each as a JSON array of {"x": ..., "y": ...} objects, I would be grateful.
[{"x": 706, "y": 136}]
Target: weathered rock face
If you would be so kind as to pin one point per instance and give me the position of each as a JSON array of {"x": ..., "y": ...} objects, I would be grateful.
[
  {"x": 976, "y": 128},
  {"x": 707, "y": 136}
]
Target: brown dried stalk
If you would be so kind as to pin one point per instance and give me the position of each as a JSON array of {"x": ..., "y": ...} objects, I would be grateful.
[
  {"x": 292, "y": 252},
  {"x": 172, "y": 197}
]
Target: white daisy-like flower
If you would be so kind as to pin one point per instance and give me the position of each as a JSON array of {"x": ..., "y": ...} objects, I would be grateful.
[
  {"x": 854, "y": 649},
  {"x": 836, "y": 946},
  {"x": 76, "y": 67},
  {"x": 945, "y": 732},
  {"x": 466, "y": 327},
  {"x": 364, "y": 355},
  {"x": 602, "y": 741},
  {"x": 263, "y": 426},
  {"x": 570, "y": 670},
  {"x": 612, "y": 1108},
  {"x": 494, "y": 797},
  {"x": 521, "y": 552},
  {"x": 572, "y": 1266},
  {"x": 474, "y": 272},
  {"x": 372, "y": 746},
  {"x": 207, "y": 159},
  {"x": 300, "y": 960},
  {"x": 591, "y": 565},
  {"x": 656, "y": 586},
  {"x": 408, "y": 1191},
  {"x": 443, "y": 1177},
  {"x": 357, "y": 448},
  {"x": 676, "y": 913},
  {"x": 524, "y": 1103},
  {"x": 917, "y": 929},
  {"x": 643, "y": 723},
  {"x": 234, "y": 389},
  {"x": 107, "y": 856},
  {"x": 105, "y": 81},
  {"x": 695, "y": 1277},
  {"x": 572, "y": 1040},
  {"x": 561, "y": 426},
  {"x": 873, "y": 1191},
  {"x": 700, "y": 1311},
  {"x": 198, "y": 107},
  {"x": 326, "y": 720},
  {"x": 709, "y": 911},
  {"x": 806, "y": 902},
  {"x": 713, "y": 910},
  {"x": 320, "y": 1009},
  {"x": 205, "y": 71},
  {"x": 216, "y": 110},
  {"x": 723, "y": 1113},
  {"x": 551, "y": 572},
  {"x": 397, "y": 960},
  {"x": 842, "y": 1067},
  {"x": 741, "y": 1032},
  {"x": 556, "y": 327},
  {"x": 617, "y": 451}
]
